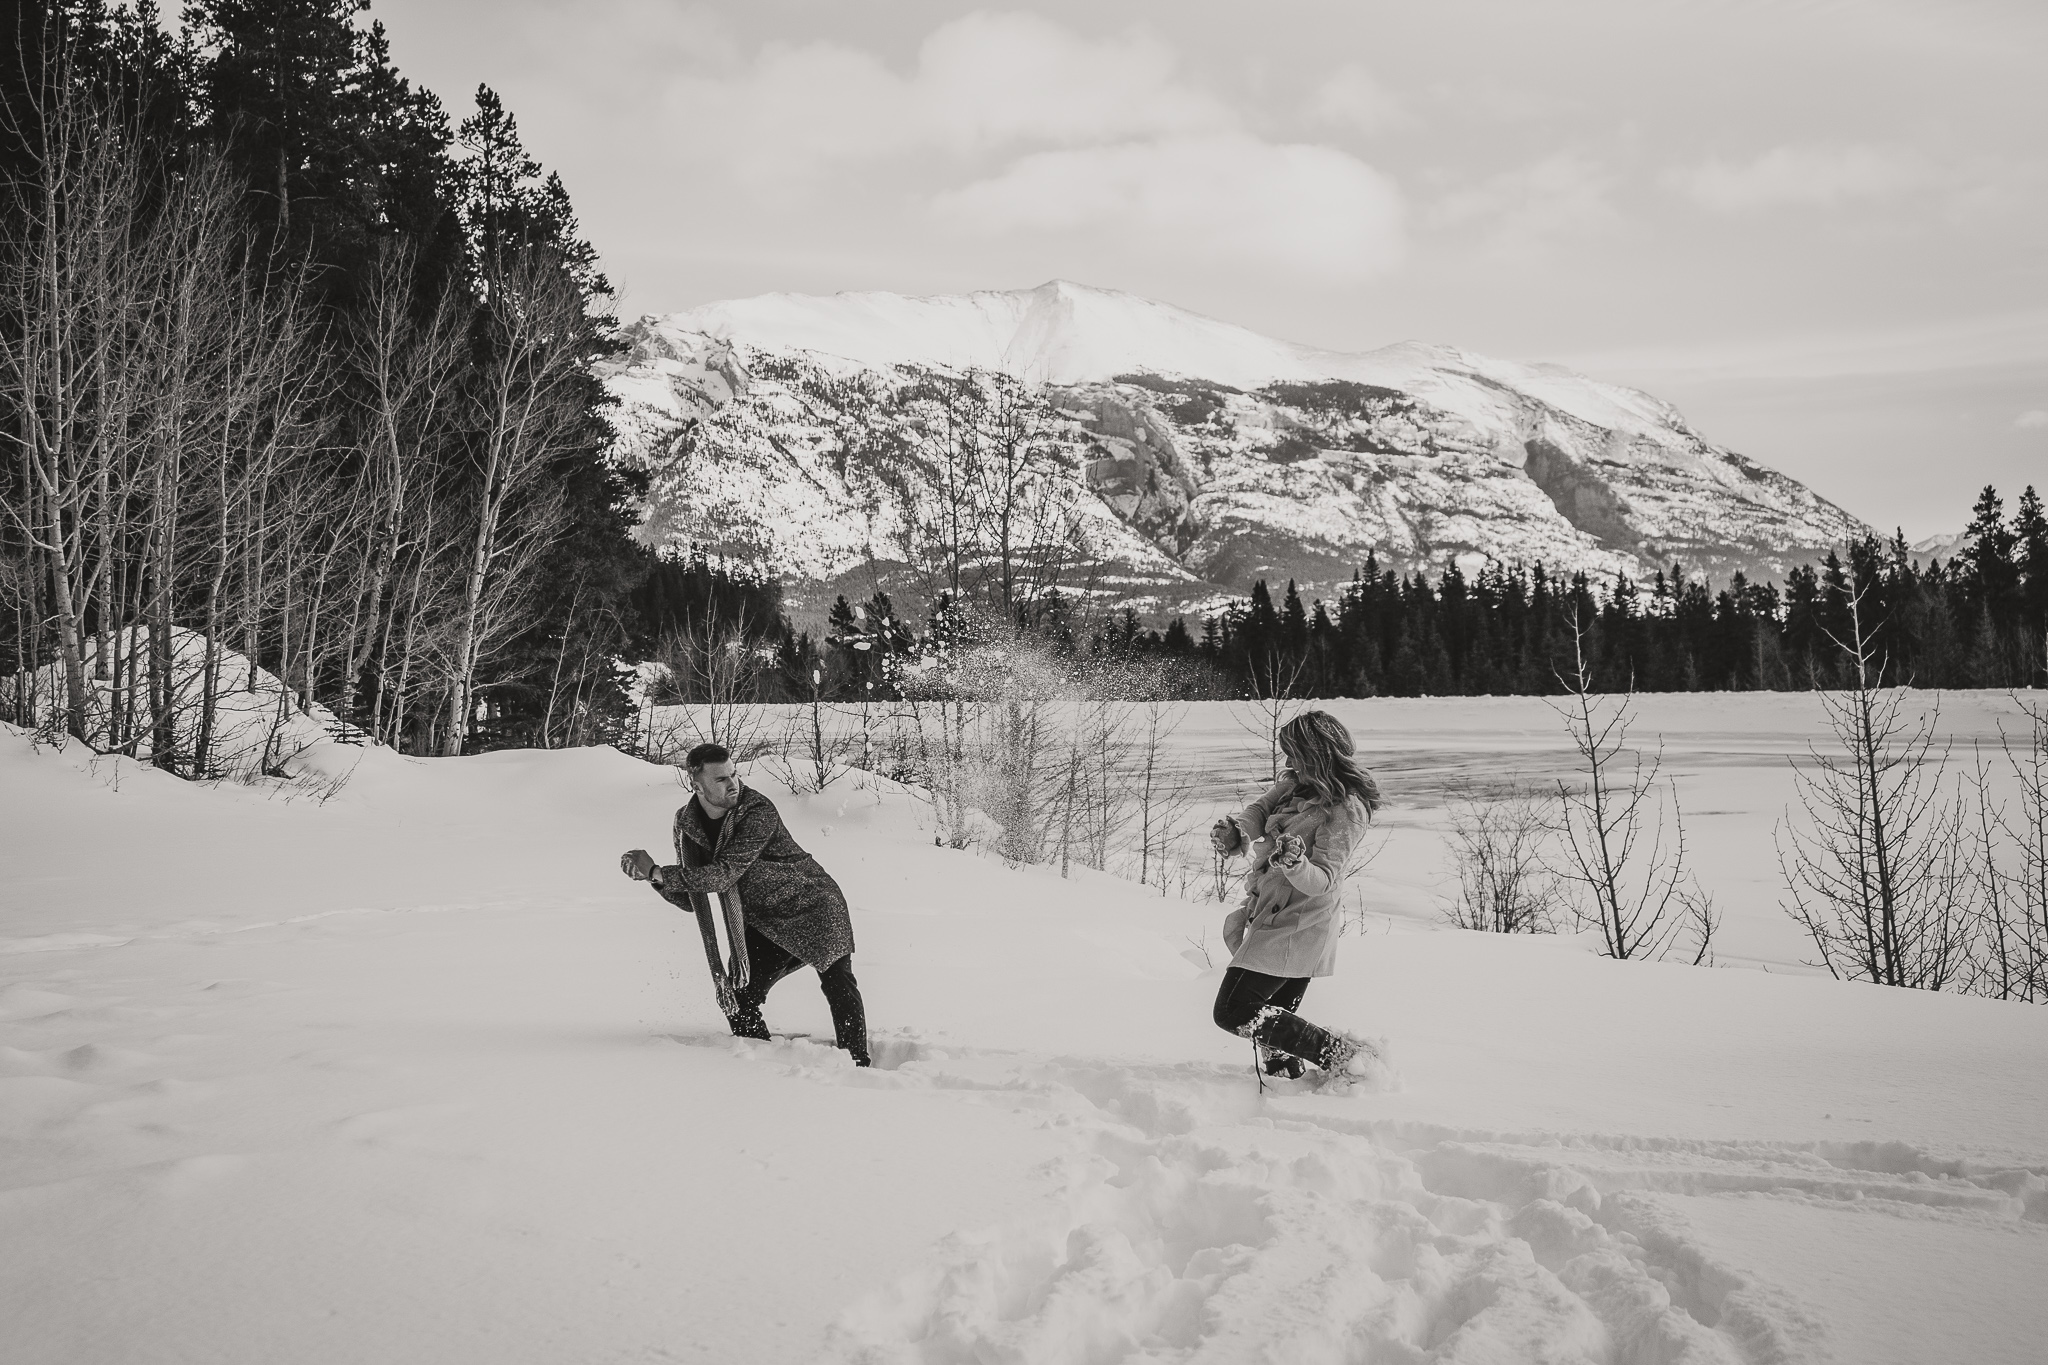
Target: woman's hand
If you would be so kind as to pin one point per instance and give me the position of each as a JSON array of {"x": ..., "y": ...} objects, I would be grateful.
[
  {"x": 1223, "y": 836},
  {"x": 637, "y": 864},
  {"x": 1289, "y": 852}
]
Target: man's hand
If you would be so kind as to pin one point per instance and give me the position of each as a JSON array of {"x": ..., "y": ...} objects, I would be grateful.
[{"x": 637, "y": 864}]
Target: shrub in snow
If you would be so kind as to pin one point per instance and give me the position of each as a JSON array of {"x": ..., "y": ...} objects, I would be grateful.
[{"x": 1498, "y": 844}]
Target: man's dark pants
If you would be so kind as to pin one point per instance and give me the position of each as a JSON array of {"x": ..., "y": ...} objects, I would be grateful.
[{"x": 768, "y": 962}]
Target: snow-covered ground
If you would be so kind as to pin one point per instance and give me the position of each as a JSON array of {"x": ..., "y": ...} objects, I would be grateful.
[{"x": 413, "y": 1075}]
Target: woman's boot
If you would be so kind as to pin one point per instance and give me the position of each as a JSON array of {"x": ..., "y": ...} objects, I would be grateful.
[{"x": 1285, "y": 1031}]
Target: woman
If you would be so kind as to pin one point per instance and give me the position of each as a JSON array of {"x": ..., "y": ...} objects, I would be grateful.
[{"x": 1299, "y": 835}]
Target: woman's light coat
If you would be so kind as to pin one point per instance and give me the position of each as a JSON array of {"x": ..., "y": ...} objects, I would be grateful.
[{"x": 1289, "y": 920}]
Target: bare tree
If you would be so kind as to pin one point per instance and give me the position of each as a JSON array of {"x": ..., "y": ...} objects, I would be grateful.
[
  {"x": 596, "y": 635},
  {"x": 70, "y": 231},
  {"x": 996, "y": 742},
  {"x": 2027, "y": 827},
  {"x": 985, "y": 508},
  {"x": 408, "y": 372},
  {"x": 808, "y": 758},
  {"x": 1273, "y": 702},
  {"x": 1163, "y": 791},
  {"x": 1026, "y": 505},
  {"x": 180, "y": 478},
  {"x": 143, "y": 364},
  {"x": 713, "y": 669},
  {"x": 1624, "y": 858},
  {"x": 528, "y": 410},
  {"x": 934, "y": 492},
  {"x": 1876, "y": 870},
  {"x": 1095, "y": 802},
  {"x": 2010, "y": 868}
]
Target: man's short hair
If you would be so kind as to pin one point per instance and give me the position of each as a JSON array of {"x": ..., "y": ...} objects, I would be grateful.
[{"x": 705, "y": 754}]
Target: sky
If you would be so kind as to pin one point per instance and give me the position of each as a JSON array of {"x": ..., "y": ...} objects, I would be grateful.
[{"x": 1817, "y": 226}]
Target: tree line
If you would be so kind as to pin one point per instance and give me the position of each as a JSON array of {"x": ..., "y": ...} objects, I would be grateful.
[
  {"x": 1979, "y": 619},
  {"x": 1975, "y": 621}
]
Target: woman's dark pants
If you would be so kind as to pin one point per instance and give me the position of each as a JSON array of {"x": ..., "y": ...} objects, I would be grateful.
[
  {"x": 768, "y": 963},
  {"x": 1260, "y": 1007}
]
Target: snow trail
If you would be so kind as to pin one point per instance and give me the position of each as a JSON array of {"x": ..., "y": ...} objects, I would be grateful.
[{"x": 1196, "y": 1221}]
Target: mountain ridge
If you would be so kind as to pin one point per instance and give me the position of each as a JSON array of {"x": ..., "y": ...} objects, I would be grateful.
[
  {"x": 1206, "y": 454},
  {"x": 1049, "y": 328}
]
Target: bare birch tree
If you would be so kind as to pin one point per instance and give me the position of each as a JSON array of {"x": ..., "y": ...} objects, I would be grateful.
[
  {"x": 526, "y": 410},
  {"x": 407, "y": 373}
]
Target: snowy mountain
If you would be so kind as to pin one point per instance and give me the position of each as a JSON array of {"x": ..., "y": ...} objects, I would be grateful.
[
  {"x": 786, "y": 430},
  {"x": 1944, "y": 546}
]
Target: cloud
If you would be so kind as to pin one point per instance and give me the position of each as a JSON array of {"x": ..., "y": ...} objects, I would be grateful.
[
  {"x": 1225, "y": 199},
  {"x": 1351, "y": 98},
  {"x": 979, "y": 83},
  {"x": 2005, "y": 342},
  {"x": 1519, "y": 212},
  {"x": 993, "y": 78},
  {"x": 1814, "y": 176},
  {"x": 2031, "y": 420},
  {"x": 664, "y": 36}
]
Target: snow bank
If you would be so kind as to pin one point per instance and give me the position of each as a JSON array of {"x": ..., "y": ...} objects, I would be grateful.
[
  {"x": 260, "y": 729},
  {"x": 414, "y": 1075}
]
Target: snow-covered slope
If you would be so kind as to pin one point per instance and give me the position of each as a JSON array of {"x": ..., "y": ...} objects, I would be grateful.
[
  {"x": 416, "y": 1076},
  {"x": 1944, "y": 546},
  {"x": 1209, "y": 454},
  {"x": 1064, "y": 333},
  {"x": 1058, "y": 333}
]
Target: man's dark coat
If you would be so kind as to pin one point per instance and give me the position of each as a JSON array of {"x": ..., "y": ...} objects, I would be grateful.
[{"x": 782, "y": 890}]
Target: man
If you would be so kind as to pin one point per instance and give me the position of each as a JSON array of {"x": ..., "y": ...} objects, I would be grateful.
[{"x": 730, "y": 841}]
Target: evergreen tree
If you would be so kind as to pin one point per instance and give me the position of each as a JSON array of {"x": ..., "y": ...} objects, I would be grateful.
[
  {"x": 1991, "y": 552},
  {"x": 287, "y": 85},
  {"x": 509, "y": 203},
  {"x": 1293, "y": 624},
  {"x": 1994, "y": 580},
  {"x": 2030, "y": 530}
]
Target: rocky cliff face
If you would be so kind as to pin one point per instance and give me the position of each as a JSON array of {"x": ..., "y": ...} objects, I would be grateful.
[{"x": 768, "y": 444}]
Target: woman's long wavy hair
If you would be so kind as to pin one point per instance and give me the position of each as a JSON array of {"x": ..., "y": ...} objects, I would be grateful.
[{"x": 1321, "y": 750}]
